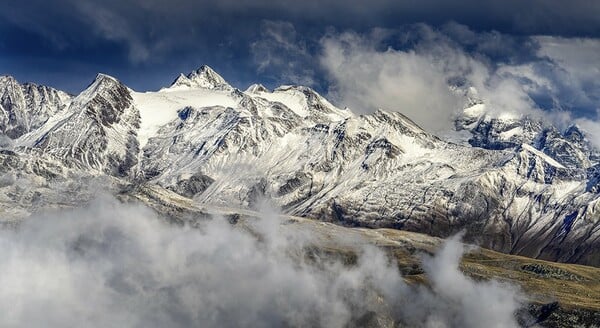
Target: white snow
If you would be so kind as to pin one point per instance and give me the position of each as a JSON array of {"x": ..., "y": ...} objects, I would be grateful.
[
  {"x": 159, "y": 108},
  {"x": 101, "y": 82},
  {"x": 508, "y": 116},
  {"x": 563, "y": 189},
  {"x": 506, "y": 135},
  {"x": 294, "y": 100},
  {"x": 256, "y": 88},
  {"x": 545, "y": 157}
]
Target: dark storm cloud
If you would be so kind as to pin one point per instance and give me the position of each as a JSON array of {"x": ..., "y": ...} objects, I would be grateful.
[{"x": 146, "y": 43}]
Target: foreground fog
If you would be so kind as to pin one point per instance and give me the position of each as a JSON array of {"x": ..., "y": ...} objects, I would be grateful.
[{"x": 115, "y": 265}]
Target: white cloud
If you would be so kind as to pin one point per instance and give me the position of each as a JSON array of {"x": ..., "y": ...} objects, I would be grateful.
[
  {"x": 114, "y": 265},
  {"x": 495, "y": 309},
  {"x": 366, "y": 79},
  {"x": 576, "y": 69},
  {"x": 591, "y": 129},
  {"x": 113, "y": 27},
  {"x": 579, "y": 56}
]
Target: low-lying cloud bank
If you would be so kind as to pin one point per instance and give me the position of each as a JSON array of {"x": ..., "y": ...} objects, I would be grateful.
[{"x": 116, "y": 265}]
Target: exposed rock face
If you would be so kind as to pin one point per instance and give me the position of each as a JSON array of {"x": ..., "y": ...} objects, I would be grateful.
[
  {"x": 192, "y": 185},
  {"x": 98, "y": 131},
  {"x": 26, "y": 107}
]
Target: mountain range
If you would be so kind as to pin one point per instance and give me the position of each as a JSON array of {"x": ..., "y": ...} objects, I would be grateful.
[{"x": 516, "y": 185}]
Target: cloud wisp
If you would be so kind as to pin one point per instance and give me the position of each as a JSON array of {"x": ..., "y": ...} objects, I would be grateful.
[
  {"x": 365, "y": 79},
  {"x": 278, "y": 37},
  {"x": 116, "y": 265}
]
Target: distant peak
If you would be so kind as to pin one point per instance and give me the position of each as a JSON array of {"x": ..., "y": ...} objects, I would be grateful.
[
  {"x": 101, "y": 82},
  {"x": 202, "y": 78},
  {"x": 256, "y": 88},
  {"x": 8, "y": 80},
  {"x": 386, "y": 115},
  {"x": 575, "y": 133},
  {"x": 204, "y": 69},
  {"x": 287, "y": 87},
  {"x": 102, "y": 76},
  {"x": 308, "y": 92},
  {"x": 297, "y": 88}
]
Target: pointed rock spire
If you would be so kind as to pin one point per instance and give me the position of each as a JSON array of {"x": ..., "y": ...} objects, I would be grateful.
[
  {"x": 101, "y": 83},
  {"x": 202, "y": 78},
  {"x": 25, "y": 107}
]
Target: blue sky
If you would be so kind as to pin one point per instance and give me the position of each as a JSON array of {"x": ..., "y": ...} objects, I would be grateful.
[{"x": 348, "y": 50}]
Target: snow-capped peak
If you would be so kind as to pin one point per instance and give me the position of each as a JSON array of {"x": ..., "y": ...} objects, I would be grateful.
[
  {"x": 102, "y": 80},
  {"x": 202, "y": 78},
  {"x": 100, "y": 83},
  {"x": 8, "y": 82},
  {"x": 6, "y": 78}
]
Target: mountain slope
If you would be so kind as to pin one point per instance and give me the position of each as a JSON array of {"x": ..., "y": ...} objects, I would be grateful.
[
  {"x": 26, "y": 107},
  {"x": 98, "y": 131}
]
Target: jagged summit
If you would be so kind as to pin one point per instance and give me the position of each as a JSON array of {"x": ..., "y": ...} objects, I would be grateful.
[
  {"x": 102, "y": 83},
  {"x": 98, "y": 131},
  {"x": 202, "y": 78},
  {"x": 6, "y": 79},
  {"x": 101, "y": 80},
  {"x": 8, "y": 84},
  {"x": 26, "y": 107}
]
